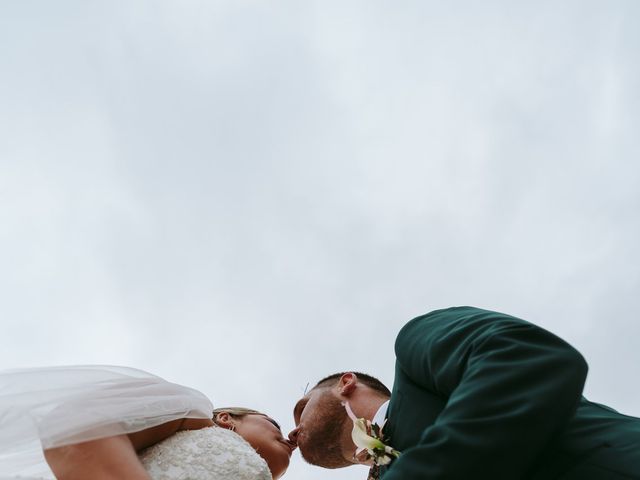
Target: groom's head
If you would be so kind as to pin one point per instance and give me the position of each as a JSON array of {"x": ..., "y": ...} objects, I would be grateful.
[{"x": 323, "y": 429}]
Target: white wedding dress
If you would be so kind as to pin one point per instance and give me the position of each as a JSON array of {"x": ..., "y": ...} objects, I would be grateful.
[
  {"x": 57, "y": 406},
  {"x": 207, "y": 454}
]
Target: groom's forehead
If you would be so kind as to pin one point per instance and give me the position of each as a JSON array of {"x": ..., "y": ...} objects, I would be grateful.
[
  {"x": 300, "y": 405},
  {"x": 297, "y": 410}
]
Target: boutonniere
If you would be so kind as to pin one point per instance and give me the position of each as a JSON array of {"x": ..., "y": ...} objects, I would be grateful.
[{"x": 368, "y": 438}]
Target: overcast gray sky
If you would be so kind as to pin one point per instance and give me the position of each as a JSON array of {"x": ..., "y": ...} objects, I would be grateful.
[{"x": 246, "y": 196}]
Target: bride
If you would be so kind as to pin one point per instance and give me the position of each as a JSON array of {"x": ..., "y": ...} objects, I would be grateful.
[{"x": 108, "y": 423}]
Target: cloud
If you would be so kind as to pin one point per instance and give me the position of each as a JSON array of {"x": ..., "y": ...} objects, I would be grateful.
[{"x": 228, "y": 194}]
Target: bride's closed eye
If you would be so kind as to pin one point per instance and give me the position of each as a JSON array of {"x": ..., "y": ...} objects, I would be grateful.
[{"x": 275, "y": 424}]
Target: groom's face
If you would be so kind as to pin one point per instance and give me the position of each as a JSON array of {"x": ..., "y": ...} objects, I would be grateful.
[{"x": 321, "y": 423}]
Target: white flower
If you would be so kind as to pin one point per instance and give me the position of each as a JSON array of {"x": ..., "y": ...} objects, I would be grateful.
[{"x": 367, "y": 437}]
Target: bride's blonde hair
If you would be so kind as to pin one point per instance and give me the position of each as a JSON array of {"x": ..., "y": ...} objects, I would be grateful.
[{"x": 235, "y": 412}]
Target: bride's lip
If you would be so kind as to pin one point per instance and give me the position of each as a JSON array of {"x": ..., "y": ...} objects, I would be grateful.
[{"x": 290, "y": 445}]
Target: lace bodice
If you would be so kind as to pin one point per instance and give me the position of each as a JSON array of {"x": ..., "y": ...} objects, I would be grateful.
[{"x": 207, "y": 454}]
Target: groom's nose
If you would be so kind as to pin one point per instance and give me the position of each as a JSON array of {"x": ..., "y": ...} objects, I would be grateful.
[{"x": 293, "y": 435}]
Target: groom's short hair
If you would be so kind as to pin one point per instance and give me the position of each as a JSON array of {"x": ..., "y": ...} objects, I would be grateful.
[{"x": 368, "y": 380}]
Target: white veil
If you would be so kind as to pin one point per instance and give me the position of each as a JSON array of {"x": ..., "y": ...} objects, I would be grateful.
[{"x": 55, "y": 406}]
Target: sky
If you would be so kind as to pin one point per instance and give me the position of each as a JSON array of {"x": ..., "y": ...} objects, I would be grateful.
[{"x": 246, "y": 196}]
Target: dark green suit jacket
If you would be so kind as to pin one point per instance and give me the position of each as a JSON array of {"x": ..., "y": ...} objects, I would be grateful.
[{"x": 480, "y": 394}]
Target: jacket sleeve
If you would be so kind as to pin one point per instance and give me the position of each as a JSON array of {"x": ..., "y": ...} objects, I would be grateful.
[{"x": 510, "y": 386}]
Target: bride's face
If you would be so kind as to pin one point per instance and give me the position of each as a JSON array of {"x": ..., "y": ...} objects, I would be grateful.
[{"x": 265, "y": 436}]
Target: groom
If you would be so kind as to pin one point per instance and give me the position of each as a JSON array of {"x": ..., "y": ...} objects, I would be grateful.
[{"x": 477, "y": 394}]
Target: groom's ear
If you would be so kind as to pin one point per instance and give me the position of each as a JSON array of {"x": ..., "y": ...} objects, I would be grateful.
[{"x": 347, "y": 383}]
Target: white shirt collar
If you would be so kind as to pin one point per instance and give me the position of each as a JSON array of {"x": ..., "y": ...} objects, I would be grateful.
[{"x": 380, "y": 415}]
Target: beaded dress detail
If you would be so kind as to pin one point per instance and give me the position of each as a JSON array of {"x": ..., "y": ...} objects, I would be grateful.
[{"x": 210, "y": 453}]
